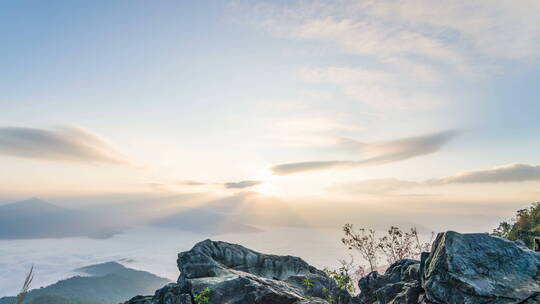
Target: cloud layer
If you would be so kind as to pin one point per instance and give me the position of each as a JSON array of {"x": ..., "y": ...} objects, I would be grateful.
[
  {"x": 62, "y": 144},
  {"x": 502, "y": 174},
  {"x": 383, "y": 153}
]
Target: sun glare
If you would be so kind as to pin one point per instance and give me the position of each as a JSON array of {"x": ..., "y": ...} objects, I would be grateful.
[{"x": 266, "y": 177}]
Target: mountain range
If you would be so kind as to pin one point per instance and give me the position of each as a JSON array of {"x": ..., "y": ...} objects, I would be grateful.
[{"x": 35, "y": 218}]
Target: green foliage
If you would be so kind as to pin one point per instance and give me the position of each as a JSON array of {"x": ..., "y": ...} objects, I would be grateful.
[
  {"x": 307, "y": 283},
  {"x": 525, "y": 226},
  {"x": 342, "y": 278},
  {"x": 203, "y": 297}
]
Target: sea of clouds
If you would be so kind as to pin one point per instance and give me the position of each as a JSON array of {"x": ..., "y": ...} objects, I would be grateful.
[{"x": 151, "y": 249}]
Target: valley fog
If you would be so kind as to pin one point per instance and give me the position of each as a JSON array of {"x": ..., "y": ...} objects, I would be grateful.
[{"x": 154, "y": 250}]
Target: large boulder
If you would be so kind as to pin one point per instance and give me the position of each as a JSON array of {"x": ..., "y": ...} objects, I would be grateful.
[
  {"x": 218, "y": 272},
  {"x": 231, "y": 273},
  {"x": 478, "y": 269}
]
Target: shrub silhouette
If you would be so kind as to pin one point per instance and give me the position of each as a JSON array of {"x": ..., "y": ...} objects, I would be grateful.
[{"x": 394, "y": 246}]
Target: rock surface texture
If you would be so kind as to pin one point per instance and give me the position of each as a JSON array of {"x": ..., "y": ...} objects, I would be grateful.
[
  {"x": 399, "y": 284},
  {"x": 219, "y": 272},
  {"x": 478, "y": 268},
  {"x": 460, "y": 269}
]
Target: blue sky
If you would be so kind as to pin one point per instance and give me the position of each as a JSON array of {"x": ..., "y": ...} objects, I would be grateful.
[{"x": 139, "y": 96}]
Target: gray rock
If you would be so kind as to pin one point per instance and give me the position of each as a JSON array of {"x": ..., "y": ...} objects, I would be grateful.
[
  {"x": 521, "y": 243},
  {"x": 172, "y": 294},
  {"x": 313, "y": 301},
  {"x": 235, "y": 274},
  {"x": 400, "y": 284},
  {"x": 141, "y": 300},
  {"x": 479, "y": 268},
  {"x": 228, "y": 273},
  {"x": 460, "y": 269},
  {"x": 408, "y": 293}
]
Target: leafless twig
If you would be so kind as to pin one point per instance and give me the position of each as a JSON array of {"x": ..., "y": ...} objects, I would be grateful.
[{"x": 26, "y": 286}]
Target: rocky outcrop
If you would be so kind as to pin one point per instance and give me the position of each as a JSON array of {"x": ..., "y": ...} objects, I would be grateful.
[
  {"x": 235, "y": 274},
  {"x": 460, "y": 269},
  {"x": 227, "y": 273},
  {"x": 478, "y": 268}
]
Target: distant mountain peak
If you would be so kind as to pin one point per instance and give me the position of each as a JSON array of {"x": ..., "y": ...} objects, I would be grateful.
[
  {"x": 34, "y": 201},
  {"x": 34, "y": 218},
  {"x": 101, "y": 269},
  {"x": 33, "y": 204}
]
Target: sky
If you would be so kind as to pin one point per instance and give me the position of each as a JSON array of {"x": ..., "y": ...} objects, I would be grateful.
[{"x": 414, "y": 111}]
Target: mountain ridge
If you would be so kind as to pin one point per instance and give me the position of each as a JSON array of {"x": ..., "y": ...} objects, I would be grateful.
[{"x": 105, "y": 283}]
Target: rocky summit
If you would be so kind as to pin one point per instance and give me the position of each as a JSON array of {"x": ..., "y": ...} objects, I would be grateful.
[{"x": 460, "y": 269}]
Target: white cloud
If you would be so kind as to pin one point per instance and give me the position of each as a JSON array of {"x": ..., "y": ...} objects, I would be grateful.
[
  {"x": 381, "y": 88},
  {"x": 388, "y": 98},
  {"x": 513, "y": 173},
  {"x": 502, "y": 174},
  {"x": 413, "y": 47},
  {"x": 365, "y": 37},
  {"x": 310, "y": 131},
  {"x": 62, "y": 144},
  {"x": 380, "y": 153},
  {"x": 452, "y": 32}
]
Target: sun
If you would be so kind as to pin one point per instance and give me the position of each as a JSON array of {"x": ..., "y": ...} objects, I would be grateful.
[{"x": 266, "y": 177}]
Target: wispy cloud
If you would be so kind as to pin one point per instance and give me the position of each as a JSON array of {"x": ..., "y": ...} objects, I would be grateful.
[
  {"x": 191, "y": 183},
  {"x": 382, "y": 153},
  {"x": 242, "y": 184},
  {"x": 502, "y": 174},
  {"x": 427, "y": 46},
  {"x": 456, "y": 33},
  {"x": 310, "y": 130},
  {"x": 62, "y": 144},
  {"x": 178, "y": 185},
  {"x": 383, "y": 87}
]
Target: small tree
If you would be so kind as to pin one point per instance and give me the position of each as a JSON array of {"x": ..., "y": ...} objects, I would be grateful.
[
  {"x": 364, "y": 241},
  {"x": 395, "y": 245}
]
